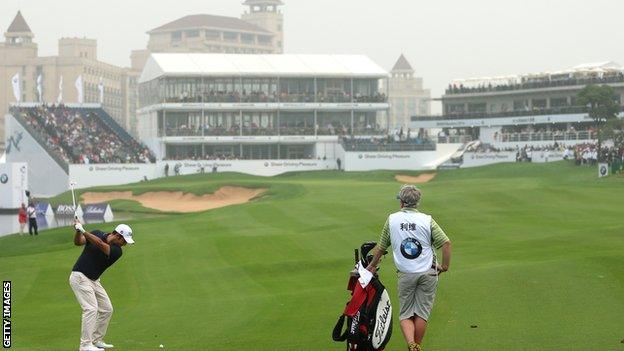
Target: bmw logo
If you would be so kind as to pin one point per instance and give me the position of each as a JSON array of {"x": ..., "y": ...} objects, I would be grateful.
[
  {"x": 603, "y": 170},
  {"x": 4, "y": 178},
  {"x": 91, "y": 169},
  {"x": 266, "y": 164},
  {"x": 360, "y": 156},
  {"x": 411, "y": 248}
]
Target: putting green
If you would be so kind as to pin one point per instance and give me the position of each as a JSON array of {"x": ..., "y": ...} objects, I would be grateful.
[{"x": 537, "y": 264}]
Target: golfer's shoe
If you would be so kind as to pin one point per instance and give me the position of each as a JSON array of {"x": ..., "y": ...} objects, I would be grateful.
[
  {"x": 101, "y": 344},
  {"x": 90, "y": 348}
]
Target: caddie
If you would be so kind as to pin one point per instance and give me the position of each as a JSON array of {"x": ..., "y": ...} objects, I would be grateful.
[
  {"x": 414, "y": 236},
  {"x": 100, "y": 251}
]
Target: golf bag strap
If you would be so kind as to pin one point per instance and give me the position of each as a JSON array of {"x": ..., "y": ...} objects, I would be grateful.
[{"x": 336, "y": 333}]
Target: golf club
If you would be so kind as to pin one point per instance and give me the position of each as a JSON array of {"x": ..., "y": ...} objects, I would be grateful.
[{"x": 72, "y": 184}]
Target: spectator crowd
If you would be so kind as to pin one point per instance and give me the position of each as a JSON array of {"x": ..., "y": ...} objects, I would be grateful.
[
  {"x": 81, "y": 136},
  {"x": 245, "y": 96},
  {"x": 545, "y": 81}
]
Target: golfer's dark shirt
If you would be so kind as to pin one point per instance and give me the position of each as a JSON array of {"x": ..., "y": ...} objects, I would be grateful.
[{"x": 93, "y": 262}]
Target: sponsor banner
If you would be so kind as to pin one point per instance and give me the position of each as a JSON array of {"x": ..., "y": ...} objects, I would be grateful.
[
  {"x": 110, "y": 174},
  {"x": 67, "y": 211},
  {"x": 45, "y": 215},
  {"x": 64, "y": 214},
  {"x": 399, "y": 160},
  {"x": 254, "y": 167},
  {"x": 603, "y": 170},
  {"x": 502, "y": 121},
  {"x": 13, "y": 184},
  {"x": 96, "y": 213},
  {"x": 475, "y": 159}
]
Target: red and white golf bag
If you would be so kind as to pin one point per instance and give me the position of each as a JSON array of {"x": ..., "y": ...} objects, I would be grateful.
[{"x": 368, "y": 314}]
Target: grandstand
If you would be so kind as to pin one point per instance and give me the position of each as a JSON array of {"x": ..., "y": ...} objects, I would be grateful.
[
  {"x": 531, "y": 111},
  {"x": 78, "y": 135},
  {"x": 286, "y": 109},
  {"x": 58, "y": 140}
]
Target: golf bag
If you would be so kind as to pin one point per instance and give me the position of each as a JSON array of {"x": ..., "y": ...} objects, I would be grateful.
[{"x": 368, "y": 314}]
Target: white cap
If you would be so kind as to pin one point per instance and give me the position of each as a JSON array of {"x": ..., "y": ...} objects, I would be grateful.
[{"x": 125, "y": 231}]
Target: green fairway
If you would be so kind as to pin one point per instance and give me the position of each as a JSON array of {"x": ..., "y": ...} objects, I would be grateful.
[{"x": 538, "y": 264}]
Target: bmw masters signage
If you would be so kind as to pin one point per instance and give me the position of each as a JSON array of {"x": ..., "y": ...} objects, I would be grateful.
[{"x": 603, "y": 170}]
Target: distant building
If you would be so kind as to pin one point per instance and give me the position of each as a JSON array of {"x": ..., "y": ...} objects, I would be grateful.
[
  {"x": 77, "y": 57},
  {"x": 259, "y": 31},
  {"x": 406, "y": 94},
  {"x": 528, "y": 110}
]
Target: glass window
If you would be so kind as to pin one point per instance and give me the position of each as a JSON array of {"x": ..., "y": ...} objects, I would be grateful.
[
  {"x": 297, "y": 90},
  {"x": 520, "y": 105},
  {"x": 264, "y": 39},
  {"x": 212, "y": 34},
  {"x": 558, "y": 102},
  {"x": 192, "y": 33},
  {"x": 230, "y": 36},
  {"x": 176, "y": 36},
  {"x": 296, "y": 123},
  {"x": 478, "y": 107},
  {"x": 333, "y": 90},
  {"x": 334, "y": 123},
  {"x": 259, "y": 123},
  {"x": 539, "y": 103},
  {"x": 247, "y": 38},
  {"x": 222, "y": 123},
  {"x": 367, "y": 123}
]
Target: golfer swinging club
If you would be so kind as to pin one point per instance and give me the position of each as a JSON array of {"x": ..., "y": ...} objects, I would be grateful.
[
  {"x": 413, "y": 236},
  {"x": 100, "y": 252}
]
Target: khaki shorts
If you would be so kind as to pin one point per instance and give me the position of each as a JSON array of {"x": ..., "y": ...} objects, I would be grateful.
[{"x": 417, "y": 294}]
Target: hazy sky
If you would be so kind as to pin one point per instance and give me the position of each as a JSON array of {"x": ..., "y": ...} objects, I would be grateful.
[{"x": 442, "y": 39}]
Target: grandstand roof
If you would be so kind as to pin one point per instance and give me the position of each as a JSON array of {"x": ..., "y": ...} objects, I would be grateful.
[
  {"x": 180, "y": 65},
  {"x": 209, "y": 21},
  {"x": 19, "y": 24}
]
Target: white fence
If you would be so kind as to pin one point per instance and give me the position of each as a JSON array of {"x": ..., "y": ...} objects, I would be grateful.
[{"x": 116, "y": 174}]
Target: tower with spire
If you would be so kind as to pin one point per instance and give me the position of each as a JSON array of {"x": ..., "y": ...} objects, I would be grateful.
[
  {"x": 19, "y": 39},
  {"x": 406, "y": 94},
  {"x": 267, "y": 14}
]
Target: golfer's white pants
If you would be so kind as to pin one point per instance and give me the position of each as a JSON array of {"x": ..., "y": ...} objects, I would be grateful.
[{"x": 96, "y": 307}]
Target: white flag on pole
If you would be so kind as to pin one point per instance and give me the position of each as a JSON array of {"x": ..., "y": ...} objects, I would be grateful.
[
  {"x": 101, "y": 88},
  {"x": 78, "y": 85},
  {"x": 40, "y": 87},
  {"x": 17, "y": 91},
  {"x": 60, "y": 95}
]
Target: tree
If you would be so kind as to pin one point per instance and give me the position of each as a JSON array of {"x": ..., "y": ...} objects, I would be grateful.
[{"x": 603, "y": 109}]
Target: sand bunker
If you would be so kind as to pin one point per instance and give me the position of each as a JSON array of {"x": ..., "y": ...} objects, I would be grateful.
[
  {"x": 177, "y": 201},
  {"x": 422, "y": 178}
]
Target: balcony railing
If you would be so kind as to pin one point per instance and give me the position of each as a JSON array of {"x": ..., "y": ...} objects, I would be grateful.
[
  {"x": 547, "y": 136},
  {"x": 516, "y": 113}
]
